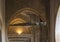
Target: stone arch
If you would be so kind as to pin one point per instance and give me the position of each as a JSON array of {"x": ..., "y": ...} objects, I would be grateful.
[
  {"x": 20, "y": 14},
  {"x": 35, "y": 12}
]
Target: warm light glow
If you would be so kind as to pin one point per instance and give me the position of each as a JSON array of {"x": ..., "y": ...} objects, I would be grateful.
[
  {"x": 17, "y": 20},
  {"x": 19, "y": 31}
]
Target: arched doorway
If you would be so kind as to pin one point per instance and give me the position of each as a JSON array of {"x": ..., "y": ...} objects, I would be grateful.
[{"x": 26, "y": 26}]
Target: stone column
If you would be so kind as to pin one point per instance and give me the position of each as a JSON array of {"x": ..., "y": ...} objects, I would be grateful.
[{"x": 2, "y": 17}]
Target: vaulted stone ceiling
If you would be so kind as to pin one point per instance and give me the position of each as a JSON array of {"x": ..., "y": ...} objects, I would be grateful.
[{"x": 12, "y": 6}]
